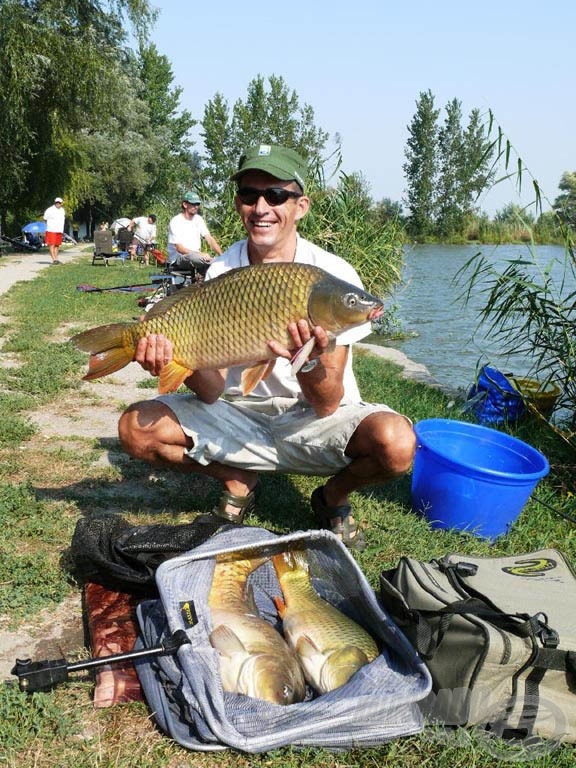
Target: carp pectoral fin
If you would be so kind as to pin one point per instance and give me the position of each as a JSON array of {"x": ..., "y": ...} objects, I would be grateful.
[
  {"x": 226, "y": 641},
  {"x": 280, "y": 606},
  {"x": 172, "y": 376},
  {"x": 302, "y": 355},
  {"x": 251, "y": 377},
  {"x": 340, "y": 666},
  {"x": 105, "y": 363},
  {"x": 306, "y": 647}
]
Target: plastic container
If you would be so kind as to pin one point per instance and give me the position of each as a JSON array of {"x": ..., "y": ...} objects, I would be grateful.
[
  {"x": 542, "y": 396},
  {"x": 472, "y": 478}
]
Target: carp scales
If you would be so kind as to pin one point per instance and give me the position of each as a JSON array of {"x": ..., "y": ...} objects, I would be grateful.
[
  {"x": 330, "y": 646},
  {"x": 254, "y": 658},
  {"x": 229, "y": 321}
]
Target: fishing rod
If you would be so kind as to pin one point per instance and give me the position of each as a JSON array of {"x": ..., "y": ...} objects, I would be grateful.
[
  {"x": 34, "y": 676},
  {"x": 87, "y": 288}
]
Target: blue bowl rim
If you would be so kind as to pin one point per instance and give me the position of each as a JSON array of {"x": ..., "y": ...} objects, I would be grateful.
[{"x": 478, "y": 429}]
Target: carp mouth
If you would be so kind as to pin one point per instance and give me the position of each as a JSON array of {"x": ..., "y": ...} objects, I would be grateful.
[{"x": 375, "y": 313}]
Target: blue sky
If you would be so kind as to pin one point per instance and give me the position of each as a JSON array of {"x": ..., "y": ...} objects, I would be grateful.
[{"x": 362, "y": 65}]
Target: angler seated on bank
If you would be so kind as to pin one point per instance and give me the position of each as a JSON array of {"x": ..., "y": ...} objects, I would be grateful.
[{"x": 313, "y": 422}]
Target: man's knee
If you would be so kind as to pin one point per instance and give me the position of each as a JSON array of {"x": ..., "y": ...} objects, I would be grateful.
[
  {"x": 402, "y": 444},
  {"x": 139, "y": 428},
  {"x": 129, "y": 431},
  {"x": 391, "y": 439}
]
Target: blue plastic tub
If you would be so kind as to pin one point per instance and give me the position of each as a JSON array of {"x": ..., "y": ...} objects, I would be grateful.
[{"x": 472, "y": 478}]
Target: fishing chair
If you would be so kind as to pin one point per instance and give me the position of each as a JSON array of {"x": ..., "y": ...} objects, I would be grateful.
[
  {"x": 123, "y": 238},
  {"x": 103, "y": 246}
]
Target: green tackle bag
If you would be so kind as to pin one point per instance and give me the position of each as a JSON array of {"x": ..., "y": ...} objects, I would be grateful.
[
  {"x": 184, "y": 690},
  {"x": 498, "y": 636}
]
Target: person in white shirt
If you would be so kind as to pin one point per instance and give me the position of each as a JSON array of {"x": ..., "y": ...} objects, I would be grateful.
[
  {"x": 55, "y": 216},
  {"x": 313, "y": 422},
  {"x": 185, "y": 233},
  {"x": 143, "y": 229}
]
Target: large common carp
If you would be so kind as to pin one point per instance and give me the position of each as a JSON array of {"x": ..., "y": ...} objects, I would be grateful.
[
  {"x": 254, "y": 658},
  {"x": 330, "y": 646},
  {"x": 230, "y": 320}
]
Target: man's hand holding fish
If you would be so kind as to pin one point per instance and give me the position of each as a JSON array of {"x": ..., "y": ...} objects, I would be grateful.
[{"x": 271, "y": 329}]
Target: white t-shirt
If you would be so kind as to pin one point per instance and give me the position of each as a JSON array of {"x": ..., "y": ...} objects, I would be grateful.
[
  {"x": 54, "y": 218},
  {"x": 281, "y": 382},
  {"x": 143, "y": 230},
  {"x": 186, "y": 232}
]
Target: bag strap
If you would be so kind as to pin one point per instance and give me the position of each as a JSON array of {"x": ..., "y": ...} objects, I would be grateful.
[{"x": 429, "y": 639}]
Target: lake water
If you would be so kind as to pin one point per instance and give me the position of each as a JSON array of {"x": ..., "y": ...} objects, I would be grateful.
[{"x": 449, "y": 341}]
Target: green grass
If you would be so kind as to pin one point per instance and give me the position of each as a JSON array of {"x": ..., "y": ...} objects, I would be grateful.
[{"x": 45, "y": 488}]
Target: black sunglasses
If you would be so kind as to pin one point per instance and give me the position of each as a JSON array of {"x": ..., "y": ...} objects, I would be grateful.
[{"x": 272, "y": 195}]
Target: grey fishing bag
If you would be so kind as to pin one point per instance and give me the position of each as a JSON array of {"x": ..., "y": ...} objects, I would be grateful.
[
  {"x": 498, "y": 636},
  {"x": 184, "y": 690}
]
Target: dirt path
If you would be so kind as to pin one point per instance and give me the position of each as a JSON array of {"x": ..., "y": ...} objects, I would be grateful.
[{"x": 92, "y": 411}]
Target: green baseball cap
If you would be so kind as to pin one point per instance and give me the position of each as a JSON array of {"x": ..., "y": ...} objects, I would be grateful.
[
  {"x": 281, "y": 162},
  {"x": 191, "y": 197}
]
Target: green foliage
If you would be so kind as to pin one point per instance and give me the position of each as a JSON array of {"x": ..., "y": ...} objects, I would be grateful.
[
  {"x": 15, "y": 427},
  {"x": 170, "y": 126},
  {"x": 27, "y": 718},
  {"x": 530, "y": 308},
  {"x": 88, "y": 118},
  {"x": 270, "y": 113},
  {"x": 565, "y": 204},
  {"x": 342, "y": 221},
  {"x": 447, "y": 168},
  {"x": 421, "y": 167}
]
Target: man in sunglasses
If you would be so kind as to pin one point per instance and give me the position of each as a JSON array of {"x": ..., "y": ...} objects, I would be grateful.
[
  {"x": 185, "y": 233},
  {"x": 313, "y": 423}
]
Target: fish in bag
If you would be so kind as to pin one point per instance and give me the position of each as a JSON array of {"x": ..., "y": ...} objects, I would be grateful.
[
  {"x": 254, "y": 657},
  {"x": 330, "y": 646}
]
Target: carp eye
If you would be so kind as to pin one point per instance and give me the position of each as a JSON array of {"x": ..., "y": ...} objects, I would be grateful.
[{"x": 350, "y": 300}]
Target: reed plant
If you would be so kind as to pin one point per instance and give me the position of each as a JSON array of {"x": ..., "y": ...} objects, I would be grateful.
[{"x": 529, "y": 307}]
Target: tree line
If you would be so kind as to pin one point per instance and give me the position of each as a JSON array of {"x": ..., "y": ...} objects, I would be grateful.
[{"x": 99, "y": 121}]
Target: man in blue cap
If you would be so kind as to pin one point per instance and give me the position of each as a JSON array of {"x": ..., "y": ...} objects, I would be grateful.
[
  {"x": 313, "y": 422},
  {"x": 185, "y": 233}
]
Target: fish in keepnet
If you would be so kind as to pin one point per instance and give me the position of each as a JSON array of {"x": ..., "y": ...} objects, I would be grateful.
[
  {"x": 254, "y": 657},
  {"x": 230, "y": 320},
  {"x": 330, "y": 646}
]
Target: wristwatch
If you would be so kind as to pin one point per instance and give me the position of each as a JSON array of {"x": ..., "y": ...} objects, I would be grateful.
[{"x": 309, "y": 365}]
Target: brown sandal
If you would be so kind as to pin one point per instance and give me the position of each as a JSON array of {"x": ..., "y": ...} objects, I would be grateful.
[
  {"x": 347, "y": 531},
  {"x": 244, "y": 504}
]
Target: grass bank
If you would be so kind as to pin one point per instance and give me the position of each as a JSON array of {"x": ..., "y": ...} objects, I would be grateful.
[{"x": 45, "y": 487}]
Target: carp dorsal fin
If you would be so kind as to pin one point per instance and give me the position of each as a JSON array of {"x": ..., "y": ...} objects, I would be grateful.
[
  {"x": 172, "y": 376},
  {"x": 252, "y": 376}
]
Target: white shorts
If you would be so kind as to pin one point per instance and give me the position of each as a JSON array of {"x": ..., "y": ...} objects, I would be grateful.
[{"x": 268, "y": 435}]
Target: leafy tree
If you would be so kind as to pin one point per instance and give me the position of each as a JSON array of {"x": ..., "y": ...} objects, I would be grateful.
[
  {"x": 168, "y": 124},
  {"x": 565, "y": 203},
  {"x": 271, "y": 113},
  {"x": 449, "y": 194},
  {"x": 73, "y": 91},
  {"x": 421, "y": 167},
  {"x": 514, "y": 214},
  {"x": 387, "y": 210},
  {"x": 476, "y": 171}
]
